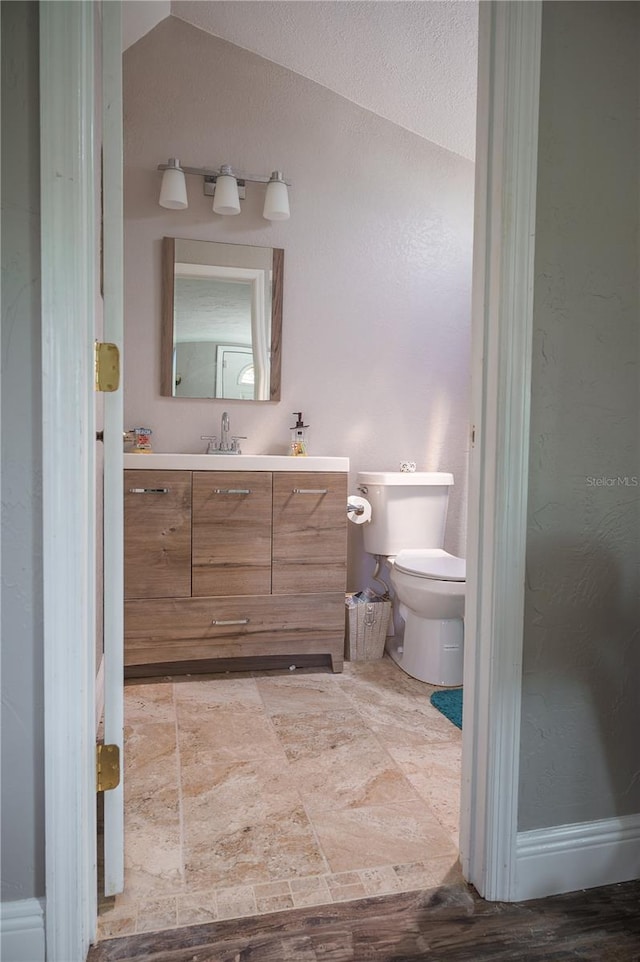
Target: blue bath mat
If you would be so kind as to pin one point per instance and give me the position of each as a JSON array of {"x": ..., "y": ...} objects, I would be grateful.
[{"x": 449, "y": 703}]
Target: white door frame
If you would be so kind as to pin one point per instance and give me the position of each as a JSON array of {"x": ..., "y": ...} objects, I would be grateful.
[
  {"x": 503, "y": 272},
  {"x": 502, "y": 314},
  {"x": 68, "y": 245}
]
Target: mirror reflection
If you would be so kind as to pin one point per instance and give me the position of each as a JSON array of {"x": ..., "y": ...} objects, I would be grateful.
[{"x": 222, "y": 320}]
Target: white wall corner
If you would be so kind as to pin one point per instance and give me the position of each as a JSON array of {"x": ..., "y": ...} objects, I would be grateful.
[
  {"x": 22, "y": 931},
  {"x": 571, "y": 857}
]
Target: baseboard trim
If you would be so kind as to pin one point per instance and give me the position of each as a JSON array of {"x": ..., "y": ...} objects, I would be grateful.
[
  {"x": 22, "y": 930},
  {"x": 550, "y": 861}
]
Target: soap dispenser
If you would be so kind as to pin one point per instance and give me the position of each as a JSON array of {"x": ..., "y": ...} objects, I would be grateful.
[{"x": 299, "y": 437}]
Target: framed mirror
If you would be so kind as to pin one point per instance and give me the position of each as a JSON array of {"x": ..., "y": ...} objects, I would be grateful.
[{"x": 221, "y": 320}]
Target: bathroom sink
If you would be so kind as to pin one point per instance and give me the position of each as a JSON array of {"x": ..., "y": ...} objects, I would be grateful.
[{"x": 233, "y": 462}]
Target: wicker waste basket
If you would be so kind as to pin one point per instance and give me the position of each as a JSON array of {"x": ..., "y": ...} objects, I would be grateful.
[{"x": 367, "y": 620}]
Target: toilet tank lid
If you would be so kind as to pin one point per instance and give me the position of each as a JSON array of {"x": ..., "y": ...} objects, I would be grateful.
[
  {"x": 431, "y": 563},
  {"x": 405, "y": 477}
]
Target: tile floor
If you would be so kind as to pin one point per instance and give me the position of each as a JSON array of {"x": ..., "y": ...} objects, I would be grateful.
[{"x": 247, "y": 794}]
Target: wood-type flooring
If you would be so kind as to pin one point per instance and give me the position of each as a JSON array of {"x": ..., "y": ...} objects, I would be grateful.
[{"x": 448, "y": 924}]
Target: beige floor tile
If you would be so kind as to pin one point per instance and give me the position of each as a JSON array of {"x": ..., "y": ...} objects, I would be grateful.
[
  {"x": 201, "y": 698},
  {"x": 109, "y": 928},
  {"x": 310, "y": 891},
  {"x": 156, "y": 914},
  {"x": 429, "y": 873},
  {"x": 197, "y": 908},
  {"x": 302, "y": 693},
  {"x": 336, "y": 763},
  {"x": 149, "y": 703},
  {"x": 236, "y": 902},
  {"x": 150, "y": 759},
  {"x": 380, "y": 881},
  {"x": 282, "y": 846},
  {"x": 247, "y": 733},
  {"x": 345, "y": 886},
  {"x": 154, "y": 808},
  {"x": 274, "y": 903},
  {"x": 116, "y": 907},
  {"x": 369, "y": 837},
  {"x": 434, "y": 771},
  {"x": 153, "y": 863},
  {"x": 233, "y": 785},
  {"x": 393, "y": 708},
  {"x": 269, "y": 890}
]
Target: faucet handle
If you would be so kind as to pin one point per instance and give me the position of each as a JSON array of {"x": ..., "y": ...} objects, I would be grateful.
[
  {"x": 235, "y": 447},
  {"x": 212, "y": 441}
]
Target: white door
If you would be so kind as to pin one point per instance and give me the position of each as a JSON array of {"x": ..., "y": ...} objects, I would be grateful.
[{"x": 113, "y": 427}]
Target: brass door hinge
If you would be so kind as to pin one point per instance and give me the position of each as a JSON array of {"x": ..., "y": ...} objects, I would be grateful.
[
  {"x": 107, "y": 363},
  {"x": 107, "y": 767}
]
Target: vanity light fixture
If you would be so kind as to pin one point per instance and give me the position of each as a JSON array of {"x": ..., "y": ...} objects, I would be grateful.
[
  {"x": 173, "y": 192},
  {"x": 227, "y": 188}
]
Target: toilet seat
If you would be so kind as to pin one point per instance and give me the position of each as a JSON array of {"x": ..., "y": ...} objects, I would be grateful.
[{"x": 431, "y": 563}]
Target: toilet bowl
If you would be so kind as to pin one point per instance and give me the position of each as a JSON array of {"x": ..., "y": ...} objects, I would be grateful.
[{"x": 429, "y": 585}]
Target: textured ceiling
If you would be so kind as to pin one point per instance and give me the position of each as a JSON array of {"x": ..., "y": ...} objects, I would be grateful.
[
  {"x": 141, "y": 16},
  {"x": 412, "y": 62}
]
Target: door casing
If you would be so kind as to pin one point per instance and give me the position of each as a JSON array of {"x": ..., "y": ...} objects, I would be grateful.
[{"x": 509, "y": 59}]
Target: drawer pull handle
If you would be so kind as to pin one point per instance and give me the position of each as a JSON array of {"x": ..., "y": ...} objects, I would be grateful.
[
  {"x": 148, "y": 490},
  {"x": 310, "y": 491},
  {"x": 233, "y": 621},
  {"x": 232, "y": 490}
]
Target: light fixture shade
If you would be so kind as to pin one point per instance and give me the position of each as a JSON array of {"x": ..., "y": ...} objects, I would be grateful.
[
  {"x": 276, "y": 201},
  {"x": 225, "y": 197},
  {"x": 173, "y": 192}
]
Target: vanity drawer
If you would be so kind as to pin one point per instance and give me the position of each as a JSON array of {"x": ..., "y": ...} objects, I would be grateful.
[
  {"x": 309, "y": 532},
  {"x": 197, "y": 628},
  {"x": 231, "y": 533}
]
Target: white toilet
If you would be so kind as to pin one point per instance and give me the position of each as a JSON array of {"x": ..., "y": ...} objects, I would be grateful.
[{"x": 408, "y": 516}]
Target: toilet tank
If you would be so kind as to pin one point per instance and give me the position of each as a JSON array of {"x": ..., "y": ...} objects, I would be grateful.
[{"x": 408, "y": 510}]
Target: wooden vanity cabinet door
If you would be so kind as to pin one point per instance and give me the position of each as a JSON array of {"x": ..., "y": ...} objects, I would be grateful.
[
  {"x": 231, "y": 533},
  {"x": 157, "y": 534},
  {"x": 309, "y": 532}
]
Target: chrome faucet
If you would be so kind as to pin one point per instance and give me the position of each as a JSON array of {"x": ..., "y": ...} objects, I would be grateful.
[
  {"x": 224, "y": 445},
  {"x": 224, "y": 432}
]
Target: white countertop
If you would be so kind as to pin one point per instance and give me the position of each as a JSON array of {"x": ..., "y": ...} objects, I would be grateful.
[{"x": 232, "y": 462}]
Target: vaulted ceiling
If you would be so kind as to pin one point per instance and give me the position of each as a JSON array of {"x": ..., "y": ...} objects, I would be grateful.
[{"x": 413, "y": 62}]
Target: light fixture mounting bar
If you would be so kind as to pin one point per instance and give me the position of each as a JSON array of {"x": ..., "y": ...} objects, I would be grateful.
[{"x": 213, "y": 173}]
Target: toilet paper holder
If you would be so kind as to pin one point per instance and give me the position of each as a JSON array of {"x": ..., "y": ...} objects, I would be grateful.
[{"x": 358, "y": 510}]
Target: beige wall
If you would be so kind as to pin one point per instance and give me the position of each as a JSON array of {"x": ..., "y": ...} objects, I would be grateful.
[
  {"x": 21, "y": 651},
  {"x": 377, "y": 260},
  {"x": 579, "y": 758}
]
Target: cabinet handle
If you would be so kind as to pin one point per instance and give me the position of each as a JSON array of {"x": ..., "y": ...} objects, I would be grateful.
[
  {"x": 148, "y": 490},
  {"x": 236, "y": 621},
  {"x": 310, "y": 491},
  {"x": 232, "y": 490}
]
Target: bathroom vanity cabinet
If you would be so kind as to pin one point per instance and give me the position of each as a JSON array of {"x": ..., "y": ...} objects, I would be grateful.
[{"x": 225, "y": 565}]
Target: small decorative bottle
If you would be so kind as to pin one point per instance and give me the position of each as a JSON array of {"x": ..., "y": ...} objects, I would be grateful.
[{"x": 299, "y": 437}]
